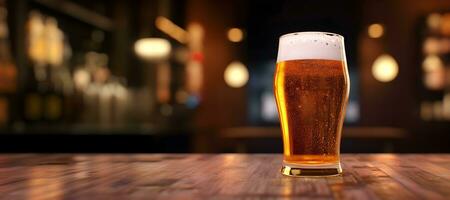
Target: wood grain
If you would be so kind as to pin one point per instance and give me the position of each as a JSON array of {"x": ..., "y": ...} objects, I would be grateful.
[{"x": 218, "y": 176}]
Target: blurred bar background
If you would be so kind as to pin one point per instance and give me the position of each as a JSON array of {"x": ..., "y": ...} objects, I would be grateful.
[{"x": 196, "y": 75}]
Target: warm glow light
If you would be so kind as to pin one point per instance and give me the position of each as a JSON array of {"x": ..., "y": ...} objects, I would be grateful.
[
  {"x": 444, "y": 26},
  {"x": 376, "y": 30},
  {"x": 385, "y": 68},
  {"x": 434, "y": 20},
  {"x": 434, "y": 77},
  {"x": 444, "y": 45},
  {"x": 432, "y": 63},
  {"x": 431, "y": 46},
  {"x": 196, "y": 37},
  {"x": 171, "y": 29},
  {"x": 446, "y": 106},
  {"x": 81, "y": 78},
  {"x": 194, "y": 66},
  {"x": 236, "y": 74},
  {"x": 152, "y": 48},
  {"x": 435, "y": 80},
  {"x": 235, "y": 35}
]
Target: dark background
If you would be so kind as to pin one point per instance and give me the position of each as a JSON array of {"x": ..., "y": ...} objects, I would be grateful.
[{"x": 227, "y": 119}]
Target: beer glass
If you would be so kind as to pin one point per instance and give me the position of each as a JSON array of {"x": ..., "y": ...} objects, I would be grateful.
[{"x": 311, "y": 86}]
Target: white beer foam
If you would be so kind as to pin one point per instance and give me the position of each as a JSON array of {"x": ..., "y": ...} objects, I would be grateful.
[{"x": 311, "y": 45}]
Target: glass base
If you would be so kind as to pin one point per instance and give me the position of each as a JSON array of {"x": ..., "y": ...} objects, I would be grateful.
[{"x": 309, "y": 170}]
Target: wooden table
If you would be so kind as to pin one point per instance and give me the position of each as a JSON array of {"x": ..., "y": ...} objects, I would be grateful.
[{"x": 218, "y": 176}]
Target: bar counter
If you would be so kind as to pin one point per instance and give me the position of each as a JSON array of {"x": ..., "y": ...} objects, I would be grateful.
[{"x": 218, "y": 176}]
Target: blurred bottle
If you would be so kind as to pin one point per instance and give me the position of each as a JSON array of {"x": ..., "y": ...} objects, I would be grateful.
[
  {"x": 49, "y": 82},
  {"x": 8, "y": 72},
  {"x": 32, "y": 102},
  {"x": 37, "y": 44},
  {"x": 33, "y": 108},
  {"x": 104, "y": 96},
  {"x": 53, "y": 94},
  {"x": 53, "y": 111},
  {"x": 89, "y": 82}
]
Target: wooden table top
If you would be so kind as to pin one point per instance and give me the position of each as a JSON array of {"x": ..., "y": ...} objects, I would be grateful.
[{"x": 218, "y": 176}]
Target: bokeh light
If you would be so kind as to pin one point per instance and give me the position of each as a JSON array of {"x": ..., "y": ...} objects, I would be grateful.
[
  {"x": 376, "y": 30},
  {"x": 434, "y": 20},
  {"x": 432, "y": 63},
  {"x": 236, "y": 74},
  {"x": 385, "y": 68},
  {"x": 152, "y": 48},
  {"x": 235, "y": 35}
]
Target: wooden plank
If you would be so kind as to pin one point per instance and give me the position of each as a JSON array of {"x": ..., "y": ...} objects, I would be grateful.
[{"x": 218, "y": 176}]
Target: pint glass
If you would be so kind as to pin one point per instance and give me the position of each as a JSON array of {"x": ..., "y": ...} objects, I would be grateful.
[{"x": 311, "y": 86}]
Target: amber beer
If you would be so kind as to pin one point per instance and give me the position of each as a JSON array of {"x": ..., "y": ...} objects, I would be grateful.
[{"x": 311, "y": 88}]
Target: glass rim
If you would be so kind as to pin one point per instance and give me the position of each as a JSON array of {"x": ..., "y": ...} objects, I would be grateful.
[{"x": 312, "y": 33}]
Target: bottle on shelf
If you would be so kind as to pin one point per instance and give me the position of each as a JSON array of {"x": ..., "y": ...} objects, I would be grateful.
[
  {"x": 49, "y": 84},
  {"x": 36, "y": 76},
  {"x": 53, "y": 98}
]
